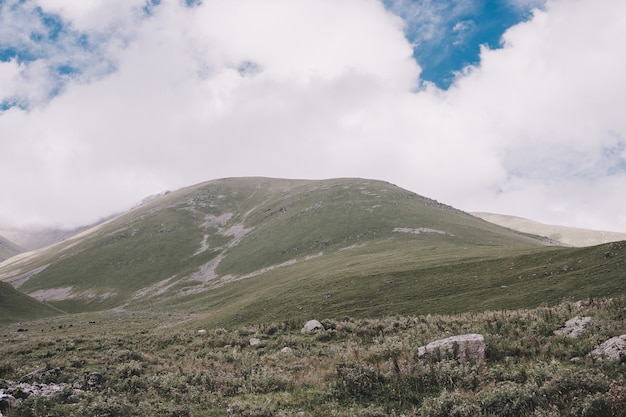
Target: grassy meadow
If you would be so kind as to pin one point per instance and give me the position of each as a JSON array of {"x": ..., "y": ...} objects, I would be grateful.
[{"x": 137, "y": 364}]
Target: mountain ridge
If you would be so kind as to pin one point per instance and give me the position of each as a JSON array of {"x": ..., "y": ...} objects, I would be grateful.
[
  {"x": 33, "y": 238},
  {"x": 572, "y": 236},
  {"x": 246, "y": 248}
]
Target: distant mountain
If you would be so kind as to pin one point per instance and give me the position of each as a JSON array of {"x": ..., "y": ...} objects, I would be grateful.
[
  {"x": 248, "y": 249},
  {"x": 567, "y": 235},
  {"x": 31, "y": 238},
  {"x": 8, "y": 249}
]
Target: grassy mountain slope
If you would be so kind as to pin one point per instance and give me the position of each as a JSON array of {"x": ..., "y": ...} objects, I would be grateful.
[
  {"x": 571, "y": 236},
  {"x": 15, "y": 306},
  {"x": 196, "y": 238},
  {"x": 249, "y": 249},
  {"x": 386, "y": 283},
  {"x": 8, "y": 249}
]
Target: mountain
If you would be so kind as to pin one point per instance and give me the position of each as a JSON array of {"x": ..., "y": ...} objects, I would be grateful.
[
  {"x": 15, "y": 306},
  {"x": 31, "y": 238},
  {"x": 571, "y": 236},
  {"x": 8, "y": 249},
  {"x": 241, "y": 250}
]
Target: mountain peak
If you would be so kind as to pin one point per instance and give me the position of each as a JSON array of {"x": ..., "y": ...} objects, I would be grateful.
[{"x": 348, "y": 240}]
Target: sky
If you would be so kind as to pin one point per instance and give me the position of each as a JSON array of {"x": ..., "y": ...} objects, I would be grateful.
[{"x": 508, "y": 106}]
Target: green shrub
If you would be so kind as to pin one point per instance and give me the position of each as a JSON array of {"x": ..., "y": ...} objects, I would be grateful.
[
  {"x": 594, "y": 405},
  {"x": 130, "y": 369},
  {"x": 356, "y": 382},
  {"x": 509, "y": 399},
  {"x": 448, "y": 404},
  {"x": 106, "y": 407},
  {"x": 5, "y": 369},
  {"x": 244, "y": 409},
  {"x": 569, "y": 383}
]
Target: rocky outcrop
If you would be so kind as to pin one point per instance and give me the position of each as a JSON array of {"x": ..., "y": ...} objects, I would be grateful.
[
  {"x": 311, "y": 326},
  {"x": 613, "y": 349},
  {"x": 33, "y": 385},
  {"x": 575, "y": 327},
  {"x": 462, "y": 348}
]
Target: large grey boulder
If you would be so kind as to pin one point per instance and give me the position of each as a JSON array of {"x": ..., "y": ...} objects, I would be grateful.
[
  {"x": 463, "y": 348},
  {"x": 311, "y": 326},
  {"x": 614, "y": 349},
  {"x": 575, "y": 327}
]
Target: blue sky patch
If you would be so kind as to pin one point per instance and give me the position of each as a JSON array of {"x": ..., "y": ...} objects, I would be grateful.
[
  {"x": 52, "y": 23},
  {"x": 10, "y": 103},
  {"x": 8, "y": 53},
  {"x": 193, "y": 3},
  {"x": 150, "y": 5},
  {"x": 447, "y": 34}
]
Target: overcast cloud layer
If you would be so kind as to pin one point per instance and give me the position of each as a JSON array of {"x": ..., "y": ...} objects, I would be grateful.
[{"x": 130, "y": 100}]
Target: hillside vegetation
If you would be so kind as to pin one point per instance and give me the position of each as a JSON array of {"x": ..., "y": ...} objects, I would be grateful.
[
  {"x": 249, "y": 250},
  {"x": 137, "y": 364},
  {"x": 15, "y": 306}
]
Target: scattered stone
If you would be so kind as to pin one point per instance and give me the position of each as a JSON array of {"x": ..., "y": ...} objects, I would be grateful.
[
  {"x": 23, "y": 390},
  {"x": 255, "y": 341},
  {"x": 43, "y": 375},
  {"x": 15, "y": 391},
  {"x": 90, "y": 381},
  {"x": 202, "y": 332},
  {"x": 613, "y": 349},
  {"x": 7, "y": 401},
  {"x": 575, "y": 327},
  {"x": 286, "y": 349},
  {"x": 464, "y": 348},
  {"x": 311, "y": 326}
]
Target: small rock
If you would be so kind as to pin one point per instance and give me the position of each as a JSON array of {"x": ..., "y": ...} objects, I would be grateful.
[
  {"x": 202, "y": 332},
  {"x": 91, "y": 381},
  {"x": 575, "y": 327},
  {"x": 311, "y": 326},
  {"x": 286, "y": 349},
  {"x": 255, "y": 341},
  {"x": 464, "y": 347},
  {"x": 7, "y": 401},
  {"x": 613, "y": 349}
]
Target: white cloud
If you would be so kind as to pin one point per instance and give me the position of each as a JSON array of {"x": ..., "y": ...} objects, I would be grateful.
[
  {"x": 320, "y": 89},
  {"x": 555, "y": 103},
  {"x": 95, "y": 15}
]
